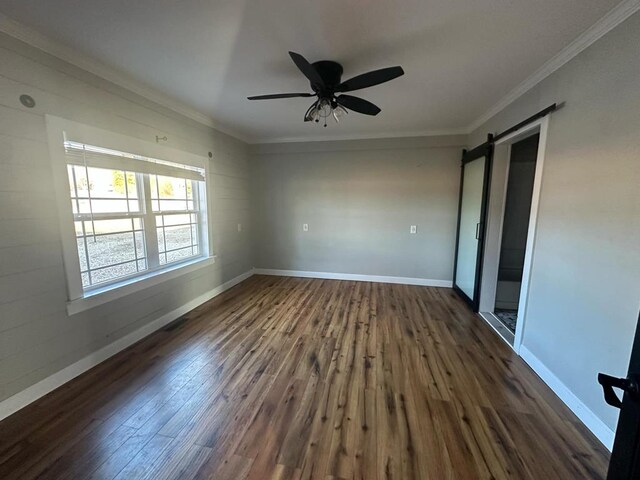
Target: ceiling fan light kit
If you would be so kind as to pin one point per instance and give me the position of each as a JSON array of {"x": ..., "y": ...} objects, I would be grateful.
[{"x": 325, "y": 80}]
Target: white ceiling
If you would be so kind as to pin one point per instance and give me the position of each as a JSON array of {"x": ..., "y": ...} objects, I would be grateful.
[{"x": 460, "y": 56}]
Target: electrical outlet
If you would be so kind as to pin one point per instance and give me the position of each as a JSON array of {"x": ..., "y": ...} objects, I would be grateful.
[
  {"x": 414, "y": 229},
  {"x": 239, "y": 227},
  {"x": 305, "y": 227}
]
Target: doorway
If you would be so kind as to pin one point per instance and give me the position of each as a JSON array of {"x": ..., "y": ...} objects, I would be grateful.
[
  {"x": 515, "y": 225},
  {"x": 512, "y": 209}
]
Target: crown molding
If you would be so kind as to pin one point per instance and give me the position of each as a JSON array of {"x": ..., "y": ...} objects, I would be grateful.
[
  {"x": 615, "y": 17},
  {"x": 382, "y": 135},
  {"x": 34, "y": 38}
]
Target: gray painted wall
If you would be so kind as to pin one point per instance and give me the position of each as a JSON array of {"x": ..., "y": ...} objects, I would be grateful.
[
  {"x": 37, "y": 337},
  {"x": 585, "y": 284},
  {"x": 359, "y": 199}
]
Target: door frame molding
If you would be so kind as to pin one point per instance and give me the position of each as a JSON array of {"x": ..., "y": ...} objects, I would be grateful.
[
  {"x": 540, "y": 126},
  {"x": 484, "y": 150}
]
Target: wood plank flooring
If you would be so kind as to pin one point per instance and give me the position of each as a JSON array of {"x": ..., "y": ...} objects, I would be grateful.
[{"x": 288, "y": 378}]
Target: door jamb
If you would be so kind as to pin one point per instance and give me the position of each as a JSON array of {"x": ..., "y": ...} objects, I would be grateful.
[{"x": 542, "y": 125}]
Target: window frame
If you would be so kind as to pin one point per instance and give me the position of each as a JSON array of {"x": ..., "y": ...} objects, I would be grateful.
[{"x": 60, "y": 130}]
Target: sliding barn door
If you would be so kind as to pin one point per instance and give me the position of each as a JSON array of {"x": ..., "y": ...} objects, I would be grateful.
[{"x": 472, "y": 210}]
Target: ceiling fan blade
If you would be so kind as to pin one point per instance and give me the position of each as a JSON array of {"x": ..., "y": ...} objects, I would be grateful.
[
  {"x": 357, "y": 104},
  {"x": 280, "y": 95},
  {"x": 370, "y": 79},
  {"x": 308, "y": 70}
]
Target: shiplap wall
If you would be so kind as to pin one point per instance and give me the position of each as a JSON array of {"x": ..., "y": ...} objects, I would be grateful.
[{"x": 37, "y": 337}]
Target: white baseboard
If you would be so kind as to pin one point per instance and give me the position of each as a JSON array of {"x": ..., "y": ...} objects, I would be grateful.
[
  {"x": 586, "y": 416},
  {"x": 425, "y": 282},
  {"x": 34, "y": 392}
]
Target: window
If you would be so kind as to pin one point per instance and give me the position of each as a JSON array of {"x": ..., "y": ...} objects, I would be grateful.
[{"x": 131, "y": 216}]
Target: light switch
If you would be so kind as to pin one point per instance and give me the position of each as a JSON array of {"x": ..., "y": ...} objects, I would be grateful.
[
  {"x": 305, "y": 227},
  {"x": 239, "y": 227},
  {"x": 414, "y": 229}
]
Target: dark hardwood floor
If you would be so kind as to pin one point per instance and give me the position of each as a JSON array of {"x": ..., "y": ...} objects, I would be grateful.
[{"x": 300, "y": 378}]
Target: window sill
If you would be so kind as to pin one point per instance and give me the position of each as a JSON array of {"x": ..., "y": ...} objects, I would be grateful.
[{"x": 112, "y": 292}]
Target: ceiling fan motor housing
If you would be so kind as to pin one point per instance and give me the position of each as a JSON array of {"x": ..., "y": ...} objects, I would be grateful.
[{"x": 331, "y": 74}]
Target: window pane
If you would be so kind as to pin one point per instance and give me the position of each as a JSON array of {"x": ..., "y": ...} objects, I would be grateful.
[
  {"x": 112, "y": 273},
  {"x": 178, "y": 255},
  {"x": 82, "y": 255},
  {"x": 105, "y": 183},
  {"x": 83, "y": 206},
  {"x": 173, "y": 205},
  {"x": 180, "y": 244},
  {"x": 171, "y": 194},
  {"x": 161, "y": 240},
  {"x": 132, "y": 186},
  {"x": 170, "y": 220},
  {"x": 109, "y": 249},
  {"x": 102, "y": 227},
  {"x": 104, "y": 206},
  {"x": 82, "y": 185},
  {"x": 177, "y": 237},
  {"x": 100, "y": 190},
  {"x": 140, "y": 244},
  {"x": 168, "y": 187}
]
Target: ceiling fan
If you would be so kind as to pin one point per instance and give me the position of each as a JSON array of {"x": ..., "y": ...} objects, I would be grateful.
[{"x": 325, "y": 79}]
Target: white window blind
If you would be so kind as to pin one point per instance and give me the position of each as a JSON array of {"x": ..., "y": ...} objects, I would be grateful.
[{"x": 100, "y": 157}]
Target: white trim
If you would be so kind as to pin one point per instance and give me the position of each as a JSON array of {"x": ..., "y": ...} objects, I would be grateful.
[
  {"x": 104, "y": 295},
  {"x": 355, "y": 136},
  {"x": 542, "y": 126},
  {"x": 530, "y": 249},
  {"x": 61, "y": 190},
  {"x": 603, "y": 26},
  {"x": 586, "y": 416},
  {"x": 30, "y": 36},
  {"x": 503, "y": 332},
  {"x": 425, "y": 282},
  {"x": 34, "y": 392}
]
